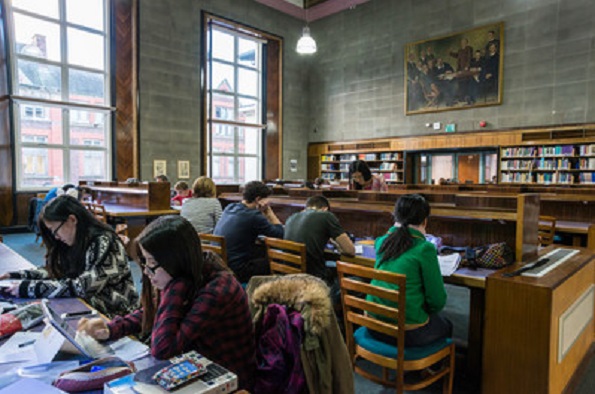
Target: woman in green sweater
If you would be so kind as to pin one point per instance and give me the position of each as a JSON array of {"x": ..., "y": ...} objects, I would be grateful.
[{"x": 404, "y": 250}]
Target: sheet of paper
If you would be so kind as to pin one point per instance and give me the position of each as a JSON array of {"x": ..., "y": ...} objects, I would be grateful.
[
  {"x": 449, "y": 263},
  {"x": 359, "y": 248},
  {"x": 129, "y": 349},
  {"x": 49, "y": 343},
  {"x": 19, "y": 347},
  {"x": 30, "y": 386}
]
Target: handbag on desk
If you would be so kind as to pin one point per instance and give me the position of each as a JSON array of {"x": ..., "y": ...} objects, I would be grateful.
[
  {"x": 494, "y": 256},
  {"x": 93, "y": 375}
]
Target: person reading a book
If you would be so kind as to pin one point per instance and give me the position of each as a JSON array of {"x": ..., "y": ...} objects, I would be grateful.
[
  {"x": 85, "y": 258},
  {"x": 189, "y": 302},
  {"x": 404, "y": 250},
  {"x": 361, "y": 178}
]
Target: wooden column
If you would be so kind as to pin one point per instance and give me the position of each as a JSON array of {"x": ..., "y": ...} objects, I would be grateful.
[{"x": 6, "y": 151}]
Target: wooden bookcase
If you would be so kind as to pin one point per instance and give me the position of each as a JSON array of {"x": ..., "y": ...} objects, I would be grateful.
[
  {"x": 334, "y": 166},
  {"x": 560, "y": 164}
]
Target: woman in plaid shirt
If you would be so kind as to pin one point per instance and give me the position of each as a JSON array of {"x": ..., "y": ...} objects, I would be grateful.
[{"x": 189, "y": 302}]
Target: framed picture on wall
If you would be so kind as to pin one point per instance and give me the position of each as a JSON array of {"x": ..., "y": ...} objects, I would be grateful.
[
  {"x": 159, "y": 167},
  {"x": 183, "y": 169},
  {"x": 458, "y": 71}
]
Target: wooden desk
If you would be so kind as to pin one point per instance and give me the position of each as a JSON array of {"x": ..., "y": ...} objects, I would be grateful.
[
  {"x": 136, "y": 217},
  {"x": 538, "y": 330}
]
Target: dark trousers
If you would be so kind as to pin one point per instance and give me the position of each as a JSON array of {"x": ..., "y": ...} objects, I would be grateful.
[
  {"x": 254, "y": 267},
  {"x": 438, "y": 327}
]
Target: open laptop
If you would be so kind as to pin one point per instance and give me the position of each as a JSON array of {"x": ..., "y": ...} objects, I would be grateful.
[{"x": 86, "y": 345}]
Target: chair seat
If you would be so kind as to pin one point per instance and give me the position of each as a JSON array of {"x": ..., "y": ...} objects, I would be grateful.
[{"x": 364, "y": 339}]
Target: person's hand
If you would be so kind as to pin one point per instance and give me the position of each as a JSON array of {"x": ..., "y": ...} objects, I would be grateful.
[
  {"x": 5, "y": 276},
  {"x": 96, "y": 327},
  {"x": 14, "y": 289}
]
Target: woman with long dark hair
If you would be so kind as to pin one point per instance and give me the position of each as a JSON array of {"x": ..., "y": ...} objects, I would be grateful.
[
  {"x": 361, "y": 178},
  {"x": 404, "y": 250},
  {"x": 85, "y": 258},
  {"x": 189, "y": 302}
]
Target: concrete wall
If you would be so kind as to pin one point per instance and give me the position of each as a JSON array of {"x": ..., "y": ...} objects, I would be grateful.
[
  {"x": 357, "y": 80},
  {"x": 354, "y": 86},
  {"x": 169, "y": 81}
]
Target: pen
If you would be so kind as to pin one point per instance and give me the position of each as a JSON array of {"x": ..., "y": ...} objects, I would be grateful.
[
  {"x": 31, "y": 342},
  {"x": 81, "y": 313}
]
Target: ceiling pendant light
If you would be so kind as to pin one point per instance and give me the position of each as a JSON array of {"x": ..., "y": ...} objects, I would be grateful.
[{"x": 306, "y": 44}]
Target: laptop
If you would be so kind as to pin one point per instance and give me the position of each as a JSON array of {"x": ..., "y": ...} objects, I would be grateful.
[{"x": 85, "y": 344}]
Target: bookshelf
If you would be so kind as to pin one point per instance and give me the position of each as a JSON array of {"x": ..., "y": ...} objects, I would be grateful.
[
  {"x": 561, "y": 164},
  {"x": 334, "y": 167}
]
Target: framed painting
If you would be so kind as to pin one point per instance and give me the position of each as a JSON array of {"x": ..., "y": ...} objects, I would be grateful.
[
  {"x": 458, "y": 71},
  {"x": 183, "y": 169},
  {"x": 159, "y": 167}
]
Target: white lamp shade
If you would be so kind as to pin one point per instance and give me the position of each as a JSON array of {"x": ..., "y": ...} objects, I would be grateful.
[{"x": 306, "y": 44}]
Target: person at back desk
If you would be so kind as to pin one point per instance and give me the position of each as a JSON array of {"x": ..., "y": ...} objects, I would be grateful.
[
  {"x": 314, "y": 227},
  {"x": 241, "y": 224}
]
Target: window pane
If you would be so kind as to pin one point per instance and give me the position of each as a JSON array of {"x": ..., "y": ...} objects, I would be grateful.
[
  {"x": 249, "y": 111},
  {"x": 223, "y": 77},
  {"x": 248, "y": 82},
  {"x": 87, "y": 128},
  {"x": 223, "y": 169},
  {"x": 40, "y": 124},
  {"x": 491, "y": 168},
  {"x": 87, "y": 165},
  {"x": 247, "y": 54},
  {"x": 41, "y": 167},
  {"x": 86, "y": 87},
  {"x": 85, "y": 49},
  {"x": 249, "y": 169},
  {"x": 87, "y": 13},
  {"x": 222, "y": 46},
  {"x": 223, "y": 139},
  {"x": 35, "y": 37},
  {"x": 223, "y": 107},
  {"x": 249, "y": 141},
  {"x": 39, "y": 80},
  {"x": 42, "y": 7},
  {"x": 441, "y": 167}
]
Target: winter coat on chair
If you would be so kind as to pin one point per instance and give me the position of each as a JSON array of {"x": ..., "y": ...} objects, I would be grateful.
[{"x": 298, "y": 306}]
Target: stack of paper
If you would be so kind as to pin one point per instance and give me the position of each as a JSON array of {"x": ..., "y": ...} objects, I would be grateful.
[{"x": 449, "y": 263}]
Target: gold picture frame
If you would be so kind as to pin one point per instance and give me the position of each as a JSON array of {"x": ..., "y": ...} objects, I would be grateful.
[
  {"x": 457, "y": 71},
  {"x": 183, "y": 169}
]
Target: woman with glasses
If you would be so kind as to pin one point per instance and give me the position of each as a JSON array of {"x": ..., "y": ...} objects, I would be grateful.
[
  {"x": 361, "y": 178},
  {"x": 85, "y": 258},
  {"x": 189, "y": 302}
]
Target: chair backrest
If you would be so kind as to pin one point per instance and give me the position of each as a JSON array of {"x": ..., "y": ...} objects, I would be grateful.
[
  {"x": 214, "y": 243},
  {"x": 98, "y": 210},
  {"x": 355, "y": 286},
  {"x": 285, "y": 257},
  {"x": 546, "y": 230}
]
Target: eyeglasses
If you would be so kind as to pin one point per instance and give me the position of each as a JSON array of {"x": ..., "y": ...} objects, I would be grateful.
[
  {"x": 55, "y": 232},
  {"x": 152, "y": 269}
]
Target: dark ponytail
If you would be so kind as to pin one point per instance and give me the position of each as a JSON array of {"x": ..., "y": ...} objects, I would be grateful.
[{"x": 409, "y": 209}]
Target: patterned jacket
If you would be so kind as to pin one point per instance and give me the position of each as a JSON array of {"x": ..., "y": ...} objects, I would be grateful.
[
  {"x": 106, "y": 283},
  {"x": 215, "y": 322}
]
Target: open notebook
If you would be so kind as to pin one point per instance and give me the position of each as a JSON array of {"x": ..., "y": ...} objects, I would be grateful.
[{"x": 449, "y": 263}]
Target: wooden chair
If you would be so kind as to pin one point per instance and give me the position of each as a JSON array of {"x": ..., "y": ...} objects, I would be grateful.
[
  {"x": 361, "y": 345},
  {"x": 285, "y": 257},
  {"x": 98, "y": 210},
  {"x": 214, "y": 243},
  {"x": 546, "y": 230}
]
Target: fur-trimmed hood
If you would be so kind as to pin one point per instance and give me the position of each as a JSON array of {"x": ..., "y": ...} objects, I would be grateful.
[{"x": 301, "y": 292}]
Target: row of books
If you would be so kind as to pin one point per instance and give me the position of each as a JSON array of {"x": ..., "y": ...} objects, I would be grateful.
[
  {"x": 584, "y": 150},
  {"x": 586, "y": 177},
  {"x": 587, "y": 164},
  {"x": 516, "y": 164}
]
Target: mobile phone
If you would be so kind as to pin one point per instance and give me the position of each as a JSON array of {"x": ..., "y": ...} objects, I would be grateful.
[
  {"x": 79, "y": 314},
  {"x": 178, "y": 374}
]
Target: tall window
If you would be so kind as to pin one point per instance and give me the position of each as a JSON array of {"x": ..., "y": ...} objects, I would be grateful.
[
  {"x": 60, "y": 91},
  {"x": 234, "y": 103}
]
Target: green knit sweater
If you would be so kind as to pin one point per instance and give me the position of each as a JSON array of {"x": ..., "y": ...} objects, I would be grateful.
[{"x": 425, "y": 287}]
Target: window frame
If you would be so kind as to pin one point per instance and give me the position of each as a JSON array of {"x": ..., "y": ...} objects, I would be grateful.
[{"x": 65, "y": 103}]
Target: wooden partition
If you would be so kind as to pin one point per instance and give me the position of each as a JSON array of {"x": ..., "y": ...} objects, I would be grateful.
[{"x": 148, "y": 196}]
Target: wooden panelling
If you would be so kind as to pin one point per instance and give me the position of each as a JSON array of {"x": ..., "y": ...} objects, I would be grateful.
[
  {"x": 125, "y": 132},
  {"x": 274, "y": 121}
]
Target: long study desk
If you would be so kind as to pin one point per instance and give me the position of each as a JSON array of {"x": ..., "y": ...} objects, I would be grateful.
[{"x": 136, "y": 217}]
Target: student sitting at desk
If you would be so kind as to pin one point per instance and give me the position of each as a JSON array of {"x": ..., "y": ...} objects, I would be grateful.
[
  {"x": 314, "y": 227},
  {"x": 183, "y": 193},
  {"x": 241, "y": 224},
  {"x": 361, "y": 178},
  {"x": 404, "y": 250},
  {"x": 189, "y": 302},
  {"x": 203, "y": 210},
  {"x": 85, "y": 258}
]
